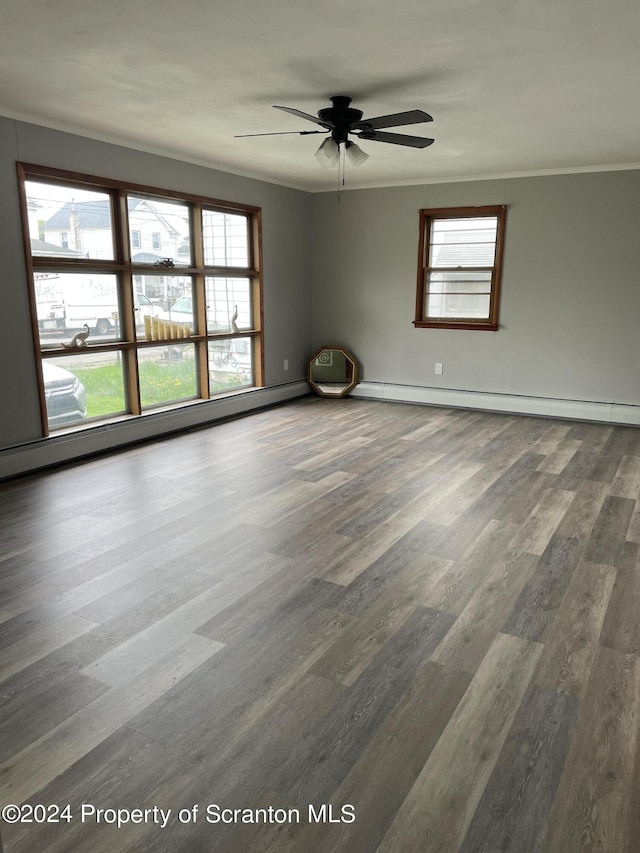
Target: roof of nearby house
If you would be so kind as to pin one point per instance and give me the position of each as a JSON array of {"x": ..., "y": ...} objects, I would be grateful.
[
  {"x": 40, "y": 247},
  {"x": 91, "y": 214},
  {"x": 96, "y": 215},
  {"x": 145, "y": 258}
]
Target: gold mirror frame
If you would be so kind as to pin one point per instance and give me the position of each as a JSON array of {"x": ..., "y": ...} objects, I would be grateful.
[{"x": 332, "y": 372}]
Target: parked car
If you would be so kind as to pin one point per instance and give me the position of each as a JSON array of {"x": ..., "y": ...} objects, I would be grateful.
[
  {"x": 65, "y": 395},
  {"x": 180, "y": 312}
]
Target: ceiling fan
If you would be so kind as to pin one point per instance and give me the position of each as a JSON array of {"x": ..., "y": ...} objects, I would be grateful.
[{"x": 342, "y": 120}]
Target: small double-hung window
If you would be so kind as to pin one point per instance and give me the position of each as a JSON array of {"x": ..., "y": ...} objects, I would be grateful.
[{"x": 459, "y": 267}]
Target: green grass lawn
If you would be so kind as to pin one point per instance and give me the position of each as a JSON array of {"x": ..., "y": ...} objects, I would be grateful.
[
  {"x": 166, "y": 382},
  {"x": 159, "y": 383},
  {"x": 104, "y": 387}
]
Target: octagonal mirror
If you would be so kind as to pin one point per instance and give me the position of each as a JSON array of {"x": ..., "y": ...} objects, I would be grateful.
[{"x": 332, "y": 372}]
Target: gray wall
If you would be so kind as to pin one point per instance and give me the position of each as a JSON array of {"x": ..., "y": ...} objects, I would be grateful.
[
  {"x": 570, "y": 317},
  {"x": 286, "y": 251}
]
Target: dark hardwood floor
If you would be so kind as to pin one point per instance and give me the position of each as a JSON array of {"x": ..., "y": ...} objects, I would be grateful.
[{"x": 426, "y": 618}]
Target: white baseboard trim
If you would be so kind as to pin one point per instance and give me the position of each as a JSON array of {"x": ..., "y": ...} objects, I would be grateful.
[
  {"x": 56, "y": 449},
  {"x": 583, "y": 410}
]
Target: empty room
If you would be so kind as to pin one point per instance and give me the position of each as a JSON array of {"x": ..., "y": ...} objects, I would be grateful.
[{"x": 319, "y": 427}]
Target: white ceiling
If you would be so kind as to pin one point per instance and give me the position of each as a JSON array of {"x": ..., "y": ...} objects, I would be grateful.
[{"x": 514, "y": 86}]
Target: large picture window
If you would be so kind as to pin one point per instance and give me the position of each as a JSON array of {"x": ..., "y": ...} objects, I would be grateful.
[
  {"x": 141, "y": 298},
  {"x": 460, "y": 267}
]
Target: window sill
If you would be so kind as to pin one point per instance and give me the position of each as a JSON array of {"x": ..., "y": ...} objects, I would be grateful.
[{"x": 455, "y": 324}]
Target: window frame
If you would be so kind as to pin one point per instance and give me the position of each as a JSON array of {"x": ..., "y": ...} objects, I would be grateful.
[
  {"x": 126, "y": 270},
  {"x": 427, "y": 217}
]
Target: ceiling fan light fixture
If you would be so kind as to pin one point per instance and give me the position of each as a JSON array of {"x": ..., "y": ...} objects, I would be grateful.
[
  {"x": 355, "y": 155},
  {"x": 328, "y": 154}
]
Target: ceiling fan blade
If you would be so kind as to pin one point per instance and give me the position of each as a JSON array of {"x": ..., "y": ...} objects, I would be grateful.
[
  {"x": 396, "y": 139},
  {"x": 395, "y": 120},
  {"x": 306, "y": 116},
  {"x": 280, "y": 133}
]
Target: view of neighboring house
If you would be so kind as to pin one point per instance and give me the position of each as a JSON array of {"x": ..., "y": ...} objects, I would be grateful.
[
  {"x": 39, "y": 246},
  {"x": 84, "y": 227},
  {"x": 70, "y": 222}
]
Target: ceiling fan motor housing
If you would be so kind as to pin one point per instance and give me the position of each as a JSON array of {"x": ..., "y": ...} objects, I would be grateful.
[{"x": 341, "y": 116}]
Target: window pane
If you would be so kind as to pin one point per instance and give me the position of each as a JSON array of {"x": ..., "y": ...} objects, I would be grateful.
[
  {"x": 83, "y": 386},
  {"x": 460, "y": 282},
  {"x": 164, "y": 307},
  {"x": 67, "y": 303},
  {"x": 228, "y": 304},
  {"x": 167, "y": 374},
  {"x": 465, "y": 242},
  {"x": 66, "y": 222},
  {"x": 230, "y": 364},
  {"x": 159, "y": 229},
  {"x": 226, "y": 239},
  {"x": 161, "y": 289},
  {"x": 455, "y": 305}
]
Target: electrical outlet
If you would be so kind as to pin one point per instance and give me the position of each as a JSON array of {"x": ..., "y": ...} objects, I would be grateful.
[
  {"x": 438, "y": 368},
  {"x": 286, "y": 364}
]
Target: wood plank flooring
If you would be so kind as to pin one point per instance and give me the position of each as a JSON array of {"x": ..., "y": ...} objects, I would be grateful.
[{"x": 424, "y": 619}]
